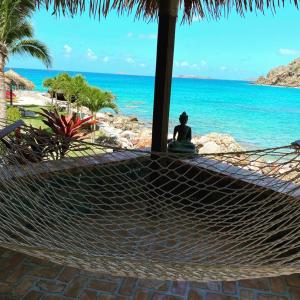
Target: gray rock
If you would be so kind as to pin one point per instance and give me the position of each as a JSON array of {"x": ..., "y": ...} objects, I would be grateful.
[
  {"x": 283, "y": 76},
  {"x": 127, "y": 134},
  {"x": 210, "y": 147},
  {"x": 216, "y": 143}
]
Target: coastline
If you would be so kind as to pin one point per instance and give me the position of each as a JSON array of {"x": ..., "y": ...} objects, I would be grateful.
[
  {"x": 264, "y": 118},
  {"x": 127, "y": 131},
  {"x": 275, "y": 86}
]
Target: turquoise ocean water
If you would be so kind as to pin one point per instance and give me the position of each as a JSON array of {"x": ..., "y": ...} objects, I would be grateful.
[{"x": 255, "y": 115}]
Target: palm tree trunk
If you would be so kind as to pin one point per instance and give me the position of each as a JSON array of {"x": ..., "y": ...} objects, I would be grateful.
[
  {"x": 94, "y": 128},
  {"x": 56, "y": 104},
  {"x": 2, "y": 93}
]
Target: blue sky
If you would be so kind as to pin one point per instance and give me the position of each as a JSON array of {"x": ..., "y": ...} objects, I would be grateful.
[{"x": 230, "y": 48}]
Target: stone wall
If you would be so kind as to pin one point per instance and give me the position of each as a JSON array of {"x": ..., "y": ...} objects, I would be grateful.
[{"x": 27, "y": 278}]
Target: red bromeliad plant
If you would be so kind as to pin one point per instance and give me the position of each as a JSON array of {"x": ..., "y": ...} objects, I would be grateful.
[{"x": 66, "y": 128}]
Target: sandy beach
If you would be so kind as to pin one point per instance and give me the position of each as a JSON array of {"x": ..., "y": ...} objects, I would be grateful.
[{"x": 32, "y": 98}]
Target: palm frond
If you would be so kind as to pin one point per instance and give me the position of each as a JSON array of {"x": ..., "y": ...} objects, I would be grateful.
[
  {"x": 95, "y": 99},
  {"x": 149, "y": 8},
  {"x": 14, "y": 12},
  {"x": 20, "y": 31},
  {"x": 33, "y": 48}
]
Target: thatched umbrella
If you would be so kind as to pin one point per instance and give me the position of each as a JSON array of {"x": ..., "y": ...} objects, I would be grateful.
[
  {"x": 19, "y": 81},
  {"x": 166, "y": 11}
]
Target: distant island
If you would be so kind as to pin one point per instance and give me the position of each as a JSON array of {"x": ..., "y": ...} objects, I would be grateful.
[
  {"x": 193, "y": 77},
  {"x": 288, "y": 76}
]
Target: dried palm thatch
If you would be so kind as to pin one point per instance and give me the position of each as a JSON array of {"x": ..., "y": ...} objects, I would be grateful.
[
  {"x": 19, "y": 80},
  {"x": 149, "y": 8}
]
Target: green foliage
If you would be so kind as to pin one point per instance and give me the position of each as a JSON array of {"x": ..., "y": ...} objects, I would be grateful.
[
  {"x": 74, "y": 88},
  {"x": 33, "y": 145},
  {"x": 49, "y": 83},
  {"x": 71, "y": 87},
  {"x": 13, "y": 113},
  {"x": 77, "y": 90},
  {"x": 16, "y": 31},
  {"x": 95, "y": 99}
]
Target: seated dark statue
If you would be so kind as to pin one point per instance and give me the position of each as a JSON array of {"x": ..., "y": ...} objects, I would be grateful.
[{"x": 183, "y": 133}]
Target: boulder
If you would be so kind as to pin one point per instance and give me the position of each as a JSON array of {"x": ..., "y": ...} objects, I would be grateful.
[
  {"x": 125, "y": 143},
  {"x": 216, "y": 143},
  {"x": 110, "y": 115},
  {"x": 141, "y": 143},
  {"x": 127, "y": 134},
  {"x": 210, "y": 147},
  {"x": 143, "y": 138},
  {"x": 102, "y": 117},
  {"x": 110, "y": 131},
  {"x": 133, "y": 119}
]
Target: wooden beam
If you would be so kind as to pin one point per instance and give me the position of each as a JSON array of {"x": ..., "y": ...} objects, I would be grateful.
[
  {"x": 11, "y": 128},
  {"x": 168, "y": 10}
]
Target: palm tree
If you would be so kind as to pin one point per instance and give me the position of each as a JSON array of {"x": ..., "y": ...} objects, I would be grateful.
[
  {"x": 49, "y": 83},
  {"x": 74, "y": 88},
  {"x": 16, "y": 37},
  {"x": 95, "y": 99}
]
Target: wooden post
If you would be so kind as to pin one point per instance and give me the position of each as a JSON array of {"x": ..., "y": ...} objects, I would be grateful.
[
  {"x": 168, "y": 10},
  {"x": 11, "y": 92}
]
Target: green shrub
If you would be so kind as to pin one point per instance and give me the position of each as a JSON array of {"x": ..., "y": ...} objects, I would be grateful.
[{"x": 13, "y": 114}]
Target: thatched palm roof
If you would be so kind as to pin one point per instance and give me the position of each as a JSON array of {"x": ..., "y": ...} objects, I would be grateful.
[
  {"x": 18, "y": 79},
  {"x": 149, "y": 8}
]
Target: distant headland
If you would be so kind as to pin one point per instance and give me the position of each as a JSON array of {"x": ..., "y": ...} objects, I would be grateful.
[
  {"x": 288, "y": 76},
  {"x": 192, "y": 77}
]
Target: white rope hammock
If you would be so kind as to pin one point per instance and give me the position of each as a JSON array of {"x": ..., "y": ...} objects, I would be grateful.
[{"x": 154, "y": 215}]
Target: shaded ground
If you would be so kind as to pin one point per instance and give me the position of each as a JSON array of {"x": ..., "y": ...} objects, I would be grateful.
[{"x": 24, "y": 277}]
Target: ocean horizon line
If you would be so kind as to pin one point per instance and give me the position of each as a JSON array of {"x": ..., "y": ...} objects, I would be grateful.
[{"x": 180, "y": 76}]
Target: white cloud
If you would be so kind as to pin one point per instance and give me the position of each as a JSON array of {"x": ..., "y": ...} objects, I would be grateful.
[
  {"x": 91, "y": 54},
  {"x": 129, "y": 34},
  {"x": 287, "y": 51},
  {"x": 68, "y": 50},
  {"x": 203, "y": 63},
  {"x": 148, "y": 36},
  {"x": 223, "y": 68},
  {"x": 184, "y": 64},
  {"x": 105, "y": 59},
  {"x": 130, "y": 60},
  {"x": 143, "y": 65}
]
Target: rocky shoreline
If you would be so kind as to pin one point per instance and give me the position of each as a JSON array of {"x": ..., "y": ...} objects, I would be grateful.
[
  {"x": 130, "y": 133},
  {"x": 127, "y": 132},
  {"x": 284, "y": 76}
]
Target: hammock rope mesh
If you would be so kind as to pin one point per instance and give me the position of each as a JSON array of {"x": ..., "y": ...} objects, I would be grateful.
[{"x": 152, "y": 215}]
